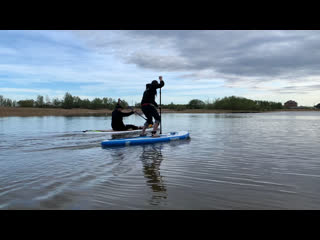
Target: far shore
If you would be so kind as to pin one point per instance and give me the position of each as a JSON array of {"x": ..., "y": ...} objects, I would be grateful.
[{"x": 30, "y": 112}]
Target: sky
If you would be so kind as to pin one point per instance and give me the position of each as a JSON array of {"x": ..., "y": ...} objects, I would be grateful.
[{"x": 271, "y": 65}]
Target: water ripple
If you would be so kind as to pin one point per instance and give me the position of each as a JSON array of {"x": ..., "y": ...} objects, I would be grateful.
[{"x": 243, "y": 161}]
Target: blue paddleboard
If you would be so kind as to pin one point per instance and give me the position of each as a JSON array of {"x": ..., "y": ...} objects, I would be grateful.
[{"x": 172, "y": 136}]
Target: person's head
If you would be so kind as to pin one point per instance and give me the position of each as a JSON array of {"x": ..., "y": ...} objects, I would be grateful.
[
  {"x": 154, "y": 83},
  {"x": 151, "y": 85}
]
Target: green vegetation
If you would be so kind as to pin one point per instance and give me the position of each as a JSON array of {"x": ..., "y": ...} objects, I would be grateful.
[
  {"x": 26, "y": 103},
  {"x": 196, "y": 104},
  {"x": 177, "y": 107},
  {"x": 238, "y": 103},
  {"x": 227, "y": 103},
  {"x": 6, "y": 102},
  {"x": 69, "y": 101},
  {"x": 40, "y": 101}
]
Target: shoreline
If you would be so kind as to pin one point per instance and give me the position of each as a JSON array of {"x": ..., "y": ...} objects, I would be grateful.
[{"x": 34, "y": 112}]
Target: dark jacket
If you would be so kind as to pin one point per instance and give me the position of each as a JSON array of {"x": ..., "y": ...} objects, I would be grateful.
[
  {"x": 150, "y": 93},
  {"x": 116, "y": 122}
]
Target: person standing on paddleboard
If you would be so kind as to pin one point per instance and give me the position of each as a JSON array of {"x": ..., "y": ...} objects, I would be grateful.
[
  {"x": 117, "y": 116},
  {"x": 149, "y": 105}
]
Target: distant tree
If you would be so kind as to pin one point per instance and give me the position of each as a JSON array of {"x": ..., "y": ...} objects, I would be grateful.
[
  {"x": 177, "y": 107},
  {"x": 57, "y": 102},
  {"x": 137, "y": 105},
  {"x": 235, "y": 103},
  {"x": 67, "y": 101},
  {"x": 113, "y": 104},
  {"x": 196, "y": 104},
  {"x": 85, "y": 103},
  {"x": 109, "y": 103},
  {"x": 317, "y": 106},
  {"x": 26, "y": 103},
  {"x": 209, "y": 105},
  {"x": 7, "y": 102},
  {"x": 39, "y": 102},
  {"x": 240, "y": 103},
  {"x": 275, "y": 105},
  {"x": 76, "y": 102},
  {"x": 1, "y": 100},
  {"x": 96, "y": 103},
  {"x": 170, "y": 106},
  {"x": 180, "y": 107},
  {"x": 48, "y": 102}
]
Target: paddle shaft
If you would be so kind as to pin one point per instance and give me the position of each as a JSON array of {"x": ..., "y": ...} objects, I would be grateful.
[
  {"x": 160, "y": 114},
  {"x": 140, "y": 115},
  {"x": 136, "y": 112}
]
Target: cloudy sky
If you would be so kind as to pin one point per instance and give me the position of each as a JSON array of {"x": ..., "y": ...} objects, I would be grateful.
[{"x": 260, "y": 65}]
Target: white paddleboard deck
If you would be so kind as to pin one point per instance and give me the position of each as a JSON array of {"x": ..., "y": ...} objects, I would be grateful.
[{"x": 115, "y": 132}]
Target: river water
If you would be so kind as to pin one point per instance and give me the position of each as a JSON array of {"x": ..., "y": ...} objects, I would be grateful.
[{"x": 231, "y": 161}]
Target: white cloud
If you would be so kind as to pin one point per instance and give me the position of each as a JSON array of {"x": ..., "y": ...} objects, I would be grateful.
[{"x": 194, "y": 63}]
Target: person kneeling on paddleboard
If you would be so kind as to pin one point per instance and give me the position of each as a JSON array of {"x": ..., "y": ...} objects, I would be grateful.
[
  {"x": 117, "y": 116},
  {"x": 149, "y": 105}
]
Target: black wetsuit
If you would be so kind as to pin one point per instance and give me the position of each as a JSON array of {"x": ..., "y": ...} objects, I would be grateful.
[
  {"x": 148, "y": 103},
  {"x": 117, "y": 123}
]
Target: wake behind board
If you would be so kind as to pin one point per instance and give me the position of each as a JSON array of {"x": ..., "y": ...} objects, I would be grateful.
[
  {"x": 172, "y": 136},
  {"x": 115, "y": 132}
]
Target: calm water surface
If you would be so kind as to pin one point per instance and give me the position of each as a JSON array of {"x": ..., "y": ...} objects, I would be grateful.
[{"x": 232, "y": 161}]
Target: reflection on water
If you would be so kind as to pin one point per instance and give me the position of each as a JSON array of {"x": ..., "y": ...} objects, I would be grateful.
[{"x": 151, "y": 158}]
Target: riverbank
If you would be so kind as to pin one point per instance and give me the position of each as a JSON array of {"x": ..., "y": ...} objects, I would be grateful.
[{"x": 29, "y": 112}]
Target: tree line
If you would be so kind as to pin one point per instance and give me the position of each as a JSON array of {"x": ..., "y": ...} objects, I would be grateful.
[
  {"x": 6, "y": 102},
  {"x": 69, "y": 101},
  {"x": 228, "y": 103}
]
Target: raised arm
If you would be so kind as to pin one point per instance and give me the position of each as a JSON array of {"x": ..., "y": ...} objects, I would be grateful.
[{"x": 161, "y": 82}]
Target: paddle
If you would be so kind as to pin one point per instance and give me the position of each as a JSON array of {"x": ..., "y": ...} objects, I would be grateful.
[
  {"x": 160, "y": 114},
  {"x": 119, "y": 100},
  {"x": 160, "y": 78},
  {"x": 138, "y": 114}
]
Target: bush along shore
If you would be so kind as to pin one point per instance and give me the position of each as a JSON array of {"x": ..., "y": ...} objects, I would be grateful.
[{"x": 75, "y": 106}]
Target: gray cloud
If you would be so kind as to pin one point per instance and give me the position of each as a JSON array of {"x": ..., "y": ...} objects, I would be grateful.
[
  {"x": 237, "y": 56},
  {"x": 299, "y": 89},
  {"x": 306, "y": 89},
  {"x": 242, "y": 53}
]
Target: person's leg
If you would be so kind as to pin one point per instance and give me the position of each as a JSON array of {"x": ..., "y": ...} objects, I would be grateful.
[
  {"x": 155, "y": 127},
  {"x": 147, "y": 113},
  {"x": 157, "y": 118},
  {"x": 143, "y": 132}
]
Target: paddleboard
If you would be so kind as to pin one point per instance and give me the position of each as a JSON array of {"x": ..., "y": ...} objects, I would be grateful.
[
  {"x": 172, "y": 136},
  {"x": 115, "y": 132}
]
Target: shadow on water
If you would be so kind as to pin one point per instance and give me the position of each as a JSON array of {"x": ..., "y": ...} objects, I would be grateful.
[{"x": 151, "y": 159}]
